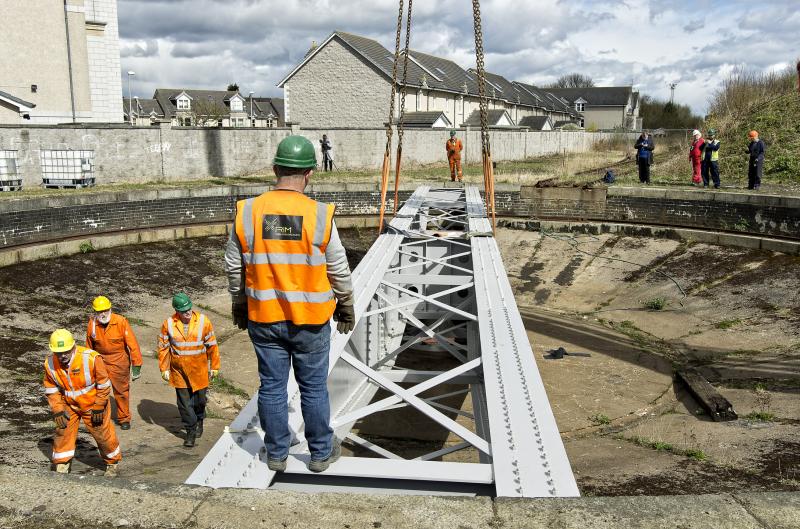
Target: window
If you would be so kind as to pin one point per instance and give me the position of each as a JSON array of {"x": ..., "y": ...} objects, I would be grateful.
[
  {"x": 236, "y": 105},
  {"x": 270, "y": 122},
  {"x": 580, "y": 107},
  {"x": 582, "y": 122},
  {"x": 183, "y": 103}
]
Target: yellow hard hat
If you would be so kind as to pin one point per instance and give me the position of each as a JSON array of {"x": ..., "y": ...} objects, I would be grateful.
[
  {"x": 101, "y": 303},
  {"x": 61, "y": 341}
]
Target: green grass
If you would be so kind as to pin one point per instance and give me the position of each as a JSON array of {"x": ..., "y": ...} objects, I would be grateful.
[
  {"x": 87, "y": 247},
  {"x": 657, "y": 303},
  {"x": 223, "y": 386},
  {"x": 727, "y": 324},
  {"x": 661, "y": 446},
  {"x": 600, "y": 419},
  {"x": 760, "y": 416}
]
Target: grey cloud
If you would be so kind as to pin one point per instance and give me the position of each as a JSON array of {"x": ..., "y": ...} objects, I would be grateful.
[{"x": 137, "y": 49}]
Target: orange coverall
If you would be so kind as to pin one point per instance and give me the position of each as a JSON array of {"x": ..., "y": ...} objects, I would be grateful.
[
  {"x": 82, "y": 387},
  {"x": 186, "y": 353},
  {"x": 454, "y": 148},
  {"x": 118, "y": 345}
]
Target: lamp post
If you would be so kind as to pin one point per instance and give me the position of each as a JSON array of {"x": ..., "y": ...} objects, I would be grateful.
[
  {"x": 252, "y": 121},
  {"x": 136, "y": 98},
  {"x": 131, "y": 73}
]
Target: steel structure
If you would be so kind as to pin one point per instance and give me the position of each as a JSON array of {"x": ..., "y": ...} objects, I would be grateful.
[{"x": 433, "y": 282}]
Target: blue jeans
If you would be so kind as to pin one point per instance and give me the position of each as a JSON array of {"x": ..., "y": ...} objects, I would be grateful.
[{"x": 279, "y": 345}]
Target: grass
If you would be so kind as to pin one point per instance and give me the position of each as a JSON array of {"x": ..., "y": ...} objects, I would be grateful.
[
  {"x": 760, "y": 416},
  {"x": 223, "y": 386},
  {"x": 727, "y": 324},
  {"x": 657, "y": 303},
  {"x": 87, "y": 247},
  {"x": 600, "y": 419},
  {"x": 137, "y": 321},
  {"x": 661, "y": 446}
]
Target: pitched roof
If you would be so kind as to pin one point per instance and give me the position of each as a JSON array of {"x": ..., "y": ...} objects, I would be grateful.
[
  {"x": 219, "y": 98},
  {"x": 534, "y": 122},
  {"x": 21, "y": 104},
  {"x": 596, "y": 95},
  {"x": 492, "y": 117},
  {"x": 424, "y": 119},
  {"x": 145, "y": 107}
]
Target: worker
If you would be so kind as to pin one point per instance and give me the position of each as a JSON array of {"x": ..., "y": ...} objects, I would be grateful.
[
  {"x": 187, "y": 349},
  {"x": 288, "y": 274},
  {"x": 711, "y": 159},
  {"x": 454, "y": 147},
  {"x": 695, "y": 155},
  {"x": 77, "y": 387},
  {"x": 327, "y": 153},
  {"x": 755, "y": 163},
  {"x": 644, "y": 156},
  {"x": 111, "y": 335}
]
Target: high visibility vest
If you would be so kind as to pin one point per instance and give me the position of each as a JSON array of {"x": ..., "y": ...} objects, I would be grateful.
[
  {"x": 283, "y": 235},
  {"x": 194, "y": 343},
  {"x": 715, "y": 154},
  {"x": 77, "y": 383}
]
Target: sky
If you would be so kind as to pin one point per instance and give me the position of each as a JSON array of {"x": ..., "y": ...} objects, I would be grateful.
[{"x": 206, "y": 44}]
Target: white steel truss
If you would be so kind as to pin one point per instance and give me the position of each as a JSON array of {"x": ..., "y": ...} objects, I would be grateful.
[{"x": 433, "y": 282}]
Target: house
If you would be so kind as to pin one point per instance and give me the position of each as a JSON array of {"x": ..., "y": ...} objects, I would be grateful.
[
  {"x": 144, "y": 111},
  {"x": 495, "y": 118},
  {"x": 536, "y": 123},
  {"x": 47, "y": 77},
  {"x": 346, "y": 81},
  {"x": 604, "y": 108},
  {"x": 217, "y": 108},
  {"x": 435, "y": 119}
]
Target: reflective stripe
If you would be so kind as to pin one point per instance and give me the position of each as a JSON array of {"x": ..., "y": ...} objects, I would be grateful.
[
  {"x": 51, "y": 368},
  {"x": 212, "y": 342},
  {"x": 283, "y": 258},
  {"x": 50, "y": 391},
  {"x": 78, "y": 393},
  {"x": 114, "y": 453},
  {"x": 165, "y": 336},
  {"x": 189, "y": 353},
  {"x": 209, "y": 335},
  {"x": 247, "y": 222},
  {"x": 94, "y": 327},
  {"x": 87, "y": 373},
  {"x": 319, "y": 229},
  {"x": 104, "y": 385},
  {"x": 59, "y": 455},
  {"x": 290, "y": 296},
  {"x": 201, "y": 323}
]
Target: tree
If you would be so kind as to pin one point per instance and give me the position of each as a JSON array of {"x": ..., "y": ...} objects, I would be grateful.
[
  {"x": 656, "y": 113},
  {"x": 207, "y": 112},
  {"x": 233, "y": 87},
  {"x": 573, "y": 80}
]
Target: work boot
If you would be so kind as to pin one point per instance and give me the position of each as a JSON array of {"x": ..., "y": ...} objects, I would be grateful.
[
  {"x": 125, "y": 426},
  {"x": 199, "y": 429},
  {"x": 112, "y": 470},
  {"x": 277, "y": 465},
  {"x": 322, "y": 465},
  {"x": 191, "y": 435},
  {"x": 63, "y": 468}
]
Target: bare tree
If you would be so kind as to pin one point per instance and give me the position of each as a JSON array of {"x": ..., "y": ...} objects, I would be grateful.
[
  {"x": 208, "y": 112},
  {"x": 573, "y": 80}
]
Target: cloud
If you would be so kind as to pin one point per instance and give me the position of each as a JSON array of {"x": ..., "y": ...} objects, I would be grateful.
[{"x": 146, "y": 48}]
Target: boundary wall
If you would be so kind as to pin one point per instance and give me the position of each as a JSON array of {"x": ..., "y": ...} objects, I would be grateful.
[
  {"x": 125, "y": 154},
  {"x": 730, "y": 218}
]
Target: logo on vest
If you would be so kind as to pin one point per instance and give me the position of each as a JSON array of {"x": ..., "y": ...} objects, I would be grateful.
[{"x": 282, "y": 227}]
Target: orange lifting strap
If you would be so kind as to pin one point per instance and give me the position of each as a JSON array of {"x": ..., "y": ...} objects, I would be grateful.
[{"x": 488, "y": 169}]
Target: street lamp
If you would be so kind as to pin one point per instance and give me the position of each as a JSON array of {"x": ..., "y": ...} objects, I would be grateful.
[
  {"x": 252, "y": 121},
  {"x": 131, "y": 73},
  {"x": 136, "y": 98}
]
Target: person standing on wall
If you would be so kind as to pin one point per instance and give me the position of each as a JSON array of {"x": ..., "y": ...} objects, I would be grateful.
[
  {"x": 644, "y": 156},
  {"x": 111, "y": 335},
  {"x": 187, "y": 350},
  {"x": 695, "y": 155},
  {"x": 287, "y": 275},
  {"x": 327, "y": 153},
  {"x": 711, "y": 159},
  {"x": 453, "y": 146},
  {"x": 755, "y": 164}
]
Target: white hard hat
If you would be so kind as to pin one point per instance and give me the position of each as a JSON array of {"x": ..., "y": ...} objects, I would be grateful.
[{"x": 695, "y": 132}]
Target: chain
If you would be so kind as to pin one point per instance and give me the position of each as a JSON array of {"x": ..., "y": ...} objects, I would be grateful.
[
  {"x": 405, "y": 74},
  {"x": 394, "y": 78},
  {"x": 484, "y": 104}
]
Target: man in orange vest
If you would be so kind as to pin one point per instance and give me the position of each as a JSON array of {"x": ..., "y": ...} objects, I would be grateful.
[
  {"x": 111, "y": 335},
  {"x": 288, "y": 274},
  {"x": 187, "y": 349},
  {"x": 77, "y": 387},
  {"x": 454, "y": 147}
]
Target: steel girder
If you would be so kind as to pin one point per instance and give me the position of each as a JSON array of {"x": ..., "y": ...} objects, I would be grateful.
[{"x": 433, "y": 282}]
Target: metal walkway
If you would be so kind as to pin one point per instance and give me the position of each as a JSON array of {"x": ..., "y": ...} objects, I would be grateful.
[{"x": 434, "y": 283}]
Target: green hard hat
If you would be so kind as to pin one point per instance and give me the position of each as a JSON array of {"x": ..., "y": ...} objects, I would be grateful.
[
  {"x": 297, "y": 152},
  {"x": 181, "y": 302},
  {"x": 452, "y": 133},
  {"x": 712, "y": 132}
]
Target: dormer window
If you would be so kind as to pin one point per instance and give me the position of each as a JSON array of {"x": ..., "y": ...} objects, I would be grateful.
[
  {"x": 580, "y": 107},
  {"x": 183, "y": 103},
  {"x": 236, "y": 105}
]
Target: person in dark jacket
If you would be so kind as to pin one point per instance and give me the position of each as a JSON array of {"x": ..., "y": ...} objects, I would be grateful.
[
  {"x": 755, "y": 165},
  {"x": 644, "y": 156},
  {"x": 327, "y": 155},
  {"x": 711, "y": 159}
]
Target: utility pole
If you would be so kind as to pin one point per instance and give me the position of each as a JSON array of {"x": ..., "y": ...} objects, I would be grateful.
[
  {"x": 672, "y": 92},
  {"x": 130, "y": 100},
  {"x": 252, "y": 120}
]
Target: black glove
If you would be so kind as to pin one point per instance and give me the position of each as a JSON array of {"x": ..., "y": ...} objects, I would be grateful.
[
  {"x": 345, "y": 316},
  {"x": 97, "y": 417},
  {"x": 239, "y": 314},
  {"x": 61, "y": 420}
]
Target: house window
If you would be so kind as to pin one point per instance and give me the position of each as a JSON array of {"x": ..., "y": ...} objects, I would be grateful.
[
  {"x": 185, "y": 122},
  {"x": 236, "y": 105},
  {"x": 183, "y": 104},
  {"x": 582, "y": 121},
  {"x": 580, "y": 107},
  {"x": 270, "y": 122}
]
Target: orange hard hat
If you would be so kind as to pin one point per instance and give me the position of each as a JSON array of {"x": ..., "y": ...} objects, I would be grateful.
[{"x": 752, "y": 134}]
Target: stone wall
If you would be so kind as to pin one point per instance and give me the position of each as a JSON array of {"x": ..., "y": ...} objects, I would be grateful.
[{"x": 125, "y": 154}]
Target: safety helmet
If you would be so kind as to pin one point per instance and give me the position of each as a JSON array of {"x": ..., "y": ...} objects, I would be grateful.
[
  {"x": 181, "y": 302},
  {"x": 753, "y": 134},
  {"x": 61, "y": 341},
  {"x": 696, "y": 132},
  {"x": 296, "y": 152},
  {"x": 712, "y": 132},
  {"x": 101, "y": 304},
  {"x": 452, "y": 133}
]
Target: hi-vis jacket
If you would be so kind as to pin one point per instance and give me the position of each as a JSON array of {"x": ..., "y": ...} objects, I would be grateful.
[
  {"x": 83, "y": 385},
  {"x": 453, "y": 147},
  {"x": 283, "y": 236},
  {"x": 186, "y": 351},
  {"x": 115, "y": 341}
]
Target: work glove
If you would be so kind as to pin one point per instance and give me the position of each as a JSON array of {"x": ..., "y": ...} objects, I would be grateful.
[
  {"x": 97, "y": 417},
  {"x": 165, "y": 375},
  {"x": 214, "y": 374},
  {"x": 345, "y": 316},
  {"x": 61, "y": 420},
  {"x": 136, "y": 372},
  {"x": 239, "y": 314}
]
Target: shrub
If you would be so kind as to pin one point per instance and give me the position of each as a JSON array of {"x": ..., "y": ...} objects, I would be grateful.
[{"x": 657, "y": 303}]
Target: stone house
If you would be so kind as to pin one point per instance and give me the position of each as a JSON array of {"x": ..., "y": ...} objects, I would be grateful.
[
  {"x": 211, "y": 108},
  {"x": 346, "y": 82},
  {"x": 60, "y": 62},
  {"x": 604, "y": 107}
]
